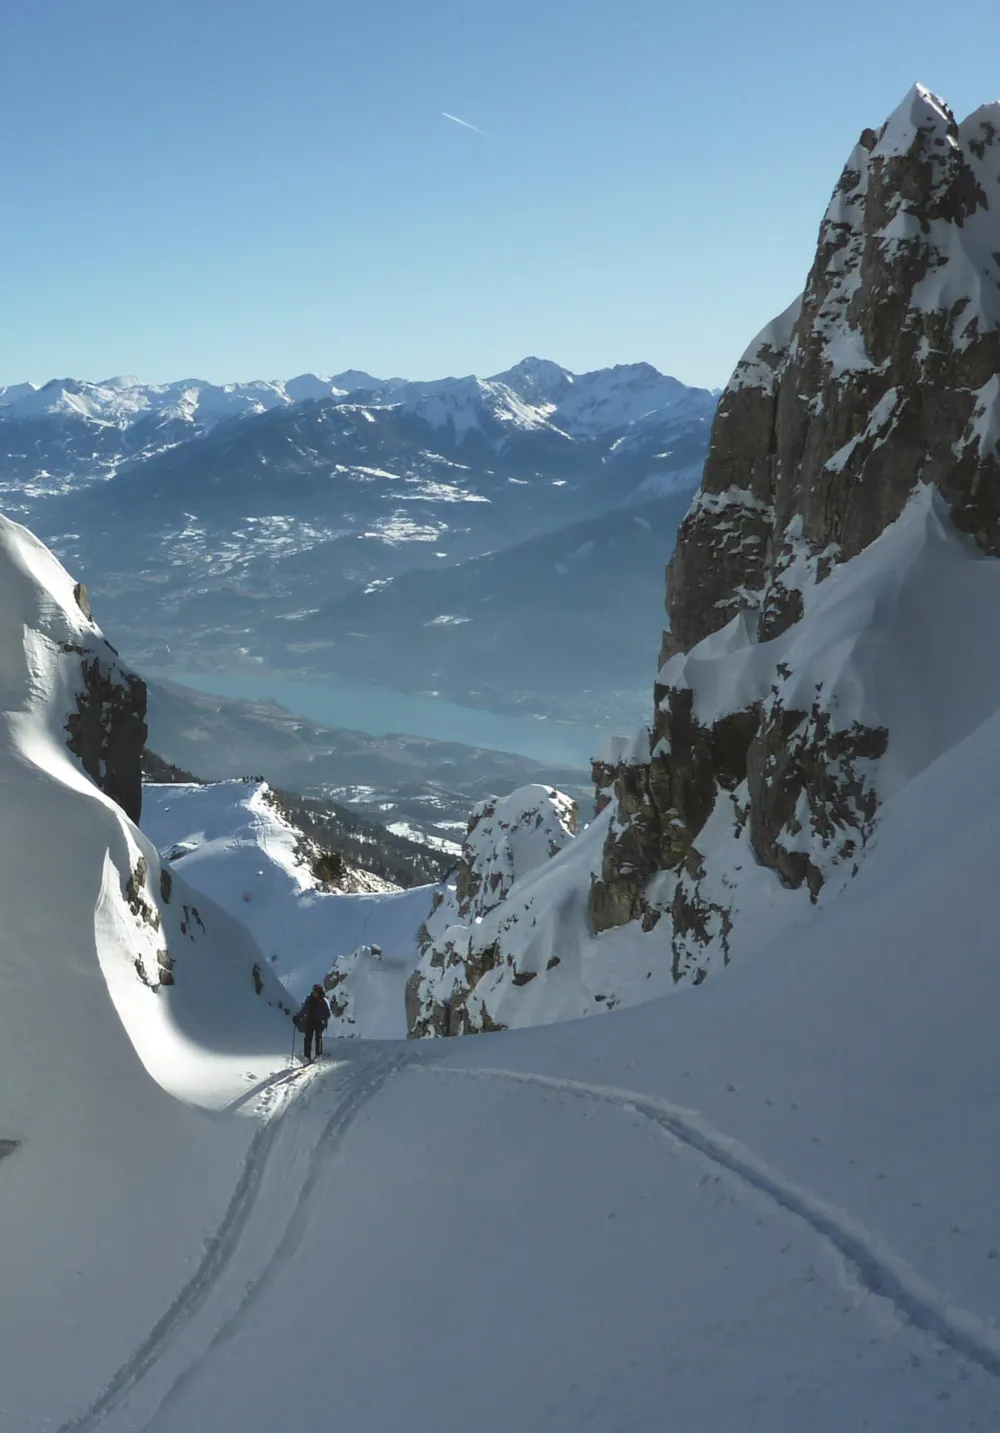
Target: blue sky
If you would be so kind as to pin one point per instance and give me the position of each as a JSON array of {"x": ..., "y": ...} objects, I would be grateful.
[{"x": 237, "y": 189}]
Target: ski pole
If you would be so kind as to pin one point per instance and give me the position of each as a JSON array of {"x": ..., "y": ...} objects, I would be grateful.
[{"x": 293, "y": 1042}]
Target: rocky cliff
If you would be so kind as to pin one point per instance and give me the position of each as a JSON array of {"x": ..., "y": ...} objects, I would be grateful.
[
  {"x": 883, "y": 376},
  {"x": 831, "y": 600},
  {"x": 107, "y": 731},
  {"x": 508, "y": 838},
  {"x": 884, "y": 373}
]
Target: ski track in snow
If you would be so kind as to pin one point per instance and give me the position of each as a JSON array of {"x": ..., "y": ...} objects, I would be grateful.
[
  {"x": 876, "y": 1265},
  {"x": 358, "y": 1086},
  {"x": 372, "y": 1075}
]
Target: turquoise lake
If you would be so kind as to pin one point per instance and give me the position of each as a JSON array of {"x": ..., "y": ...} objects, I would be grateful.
[{"x": 379, "y": 711}]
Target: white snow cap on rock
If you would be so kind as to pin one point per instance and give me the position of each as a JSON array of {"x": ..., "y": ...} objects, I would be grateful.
[
  {"x": 958, "y": 251},
  {"x": 919, "y": 112},
  {"x": 509, "y": 836},
  {"x": 759, "y": 364}
]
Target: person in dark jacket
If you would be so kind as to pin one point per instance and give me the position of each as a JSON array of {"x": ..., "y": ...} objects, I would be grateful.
[{"x": 313, "y": 1019}]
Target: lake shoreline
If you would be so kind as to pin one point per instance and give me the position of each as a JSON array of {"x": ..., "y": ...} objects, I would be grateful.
[{"x": 381, "y": 711}]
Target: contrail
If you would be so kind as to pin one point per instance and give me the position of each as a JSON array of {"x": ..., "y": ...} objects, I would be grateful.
[{"x": 463, "y": 122}]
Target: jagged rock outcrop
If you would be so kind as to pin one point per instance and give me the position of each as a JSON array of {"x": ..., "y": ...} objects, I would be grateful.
[
  {"x": 108, "y": 729},
  {"x": 816, "y": 574},
  {"x": 882, "y": 378},
  {"x": 508, "y": 838},
  {"x": 884, "y": 373}
]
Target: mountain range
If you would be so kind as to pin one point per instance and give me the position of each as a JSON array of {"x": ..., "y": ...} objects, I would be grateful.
[
  {"x": 535, "y": 393},
  {"x": 222, "y": 526}
]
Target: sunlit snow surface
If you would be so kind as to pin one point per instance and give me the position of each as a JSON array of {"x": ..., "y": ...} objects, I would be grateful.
[
  {"x": 231, "y": 844},
  {"x": 119, "y": 1174},
  {"x": 768, "y": 1203}
]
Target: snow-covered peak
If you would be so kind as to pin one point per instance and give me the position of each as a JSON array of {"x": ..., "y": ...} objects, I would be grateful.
[
  {"x": 921, "y": 194},
  {"x": 120, "y": 402},
  {"x": 509, "y": 836},
  {"x": 626, "y": 396},
  {"x": 69, "y": 397},
  {"x": 535, "y": 394},
  {"x": 538, "y": 380},
  {"x": 472, "y": 404},
  {"x": 308, "y": 386},
  {"x": 15, "y": 392},
  {"x": 919, "y": 113},
  {"x": 354, "y": 380},
  {"x": 121, "y": 380}
]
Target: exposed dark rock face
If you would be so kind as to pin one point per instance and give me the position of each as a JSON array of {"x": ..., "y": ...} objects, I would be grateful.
[
  {"x": 800, "y": 771},
  {"x": 884, "y": 375},
  {"x": 83, "y": 601},
  {"x": 107, "y": 732},
  {"x": 663, "y": 804}
]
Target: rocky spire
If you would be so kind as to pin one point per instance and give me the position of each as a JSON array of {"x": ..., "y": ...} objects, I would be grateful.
[{"x": 883, "y": 376}]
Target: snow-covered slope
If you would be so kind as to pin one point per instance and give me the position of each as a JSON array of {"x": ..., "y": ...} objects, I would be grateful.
[
  {"x": 893, "y": 664},
  {"x": 231, "y": 843},
  {"x": 128, "y": 1008},
  {"x": 765, "y": 1204}
]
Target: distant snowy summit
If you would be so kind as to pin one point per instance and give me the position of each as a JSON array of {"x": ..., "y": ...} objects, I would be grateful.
[
  {"x": 535, "y": 394},
  {"x": 120, "y": 402}
]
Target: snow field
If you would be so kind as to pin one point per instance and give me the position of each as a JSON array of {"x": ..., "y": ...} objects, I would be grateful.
[
  {"x": 767, "y": 1203},
  {"x": 100, "y": 1206},
  {"x": 233, "y": 846}
]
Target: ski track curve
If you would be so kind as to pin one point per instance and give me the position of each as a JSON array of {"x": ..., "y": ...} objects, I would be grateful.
[
  {"x": 876, "y": 1265},
  {"x": 223, "y": 1244},
  {"x": 373, "y": 1074}
]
